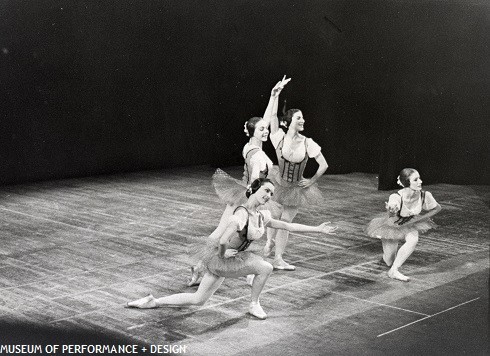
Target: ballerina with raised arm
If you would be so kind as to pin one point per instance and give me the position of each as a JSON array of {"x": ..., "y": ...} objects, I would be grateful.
[
  {"x": 292, "y": 190},
  {"x": 257, "y": 164},
  {"x": 403, "y": 221},
  {"x": 228, "y": 255}
]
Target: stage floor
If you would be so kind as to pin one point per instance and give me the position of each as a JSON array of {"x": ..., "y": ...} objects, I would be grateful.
[{"x": 73, "y": 252}]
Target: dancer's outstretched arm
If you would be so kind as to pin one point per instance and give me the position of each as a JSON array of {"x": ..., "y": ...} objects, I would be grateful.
[{"x": 324, "y": 228}]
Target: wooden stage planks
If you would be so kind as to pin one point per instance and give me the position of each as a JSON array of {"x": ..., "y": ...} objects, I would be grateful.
[{"x": 74, "y": 251}]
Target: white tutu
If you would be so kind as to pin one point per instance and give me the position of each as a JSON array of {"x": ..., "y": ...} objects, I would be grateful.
[
  {"x": 385, "y": 227},
  {"x": 232, "y": 192}
]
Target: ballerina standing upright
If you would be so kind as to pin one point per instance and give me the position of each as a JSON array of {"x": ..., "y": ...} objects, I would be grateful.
[{"x": 292, "y": 190}]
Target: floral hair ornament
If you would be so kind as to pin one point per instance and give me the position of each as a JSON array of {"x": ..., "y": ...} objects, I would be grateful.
[
  {"x": 249, "y": 189},
  {"x": 399, "y": 182},
  {"x": 245, "y": 128},
  {"x": 283, "y": 123}
]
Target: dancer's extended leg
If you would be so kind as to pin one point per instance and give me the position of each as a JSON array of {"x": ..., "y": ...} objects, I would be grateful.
[{"x": 209, "y": 284}]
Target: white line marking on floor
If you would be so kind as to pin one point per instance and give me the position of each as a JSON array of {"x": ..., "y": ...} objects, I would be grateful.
[
  {"x": 452, "y": 242},
  {"x": 380, "y": 304},
  {"x": 427, "y": 317}
]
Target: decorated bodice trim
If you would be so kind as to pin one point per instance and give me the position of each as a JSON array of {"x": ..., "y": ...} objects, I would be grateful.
[
  {"x": 291, "y": 171},
  {"x": 406, "y": 214}
]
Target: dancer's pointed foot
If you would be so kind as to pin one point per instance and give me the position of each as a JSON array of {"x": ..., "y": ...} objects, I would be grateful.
[
  {"x": 397, "y": 275},
  {"x": 147, "y": 302},
  {"x": 194, "y": 281},
  {"x": 250, "y": 279},
  {"x": 269, "y": 245},
  {"x": 256, "y": 310},
  {"x": 282, "y": 265}
]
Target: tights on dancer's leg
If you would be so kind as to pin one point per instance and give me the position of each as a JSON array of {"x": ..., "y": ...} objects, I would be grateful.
[
  {"x": 271, "y": 240},
  {"x": 282, "y": 236},
  {"x": 264, "y": 269},
  {"x": 403, "y": 253},
  {"x": 390, "y": 247},
  {"x": 271, "y": 235},
  {"x": 209, "y": 284}
]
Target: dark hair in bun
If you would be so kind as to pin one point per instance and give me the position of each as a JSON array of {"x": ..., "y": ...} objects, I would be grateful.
[
  {"x": 256, "y": 184},
  {"x": 287, "y": 118},
  {"x": 250, "y": 125},
  {"x": 404, "y": 176}
]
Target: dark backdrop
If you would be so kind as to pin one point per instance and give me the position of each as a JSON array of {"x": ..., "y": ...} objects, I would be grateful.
[{"x": 91, "y": 87}]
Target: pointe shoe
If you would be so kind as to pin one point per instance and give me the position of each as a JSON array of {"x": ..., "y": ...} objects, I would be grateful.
[
  {"x": 256, "y": 310},
  {"x": 282, "y": 265},
  {"x": 398, "y": 275},
  {"x": 194, "y": 278},
  {"x": 250, "y": 279},
  {"x": 147, "y": 302}
]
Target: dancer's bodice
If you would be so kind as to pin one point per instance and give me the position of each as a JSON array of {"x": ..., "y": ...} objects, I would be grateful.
[
  {"x": 407, "y": 209},
  {"x": 253, "y": 229},
  {"x": 292, "y": 163},
  {"x": 253, "y": 156}
]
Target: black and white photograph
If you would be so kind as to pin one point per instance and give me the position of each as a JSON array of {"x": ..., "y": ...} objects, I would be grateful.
[{"x": 244, "y": 177}]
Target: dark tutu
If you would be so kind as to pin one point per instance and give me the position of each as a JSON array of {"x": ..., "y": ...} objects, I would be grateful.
[
  {"x": 205, "y": 250},
  {"x": 384, "y": 227},
  {"x": 232, "y": 192},
  {"x": 291, "y": 194}
]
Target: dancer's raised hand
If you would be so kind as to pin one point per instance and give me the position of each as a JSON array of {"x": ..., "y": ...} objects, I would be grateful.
[{"x": 280, "y": 86}]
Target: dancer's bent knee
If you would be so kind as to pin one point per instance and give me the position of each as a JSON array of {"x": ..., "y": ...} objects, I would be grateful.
[
  {"x": 265, "y": 268},
  {"x": 412, "y": 238}
]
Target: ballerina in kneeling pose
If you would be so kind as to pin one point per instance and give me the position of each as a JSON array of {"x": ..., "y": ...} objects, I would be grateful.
[
  {"x": 403, "y": 221},
  {"x": 227, "y": 255}
]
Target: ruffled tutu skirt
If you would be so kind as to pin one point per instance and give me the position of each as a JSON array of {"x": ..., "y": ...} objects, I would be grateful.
[
  {"x": 229, "y": 190},
  {"x": 205, "y": 250},
  {"x": 384, "y": 227},
  {"x": 291, "y": 194},
  {"x": 232, "y": 192}
]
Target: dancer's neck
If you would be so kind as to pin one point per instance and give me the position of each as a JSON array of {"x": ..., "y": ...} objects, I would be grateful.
[
  {"x": 255, "y": 141},
  {"x": 409, "y": 192},
  {"x": 293, "y": 133},
  {"x": 252, "y": 204}
]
